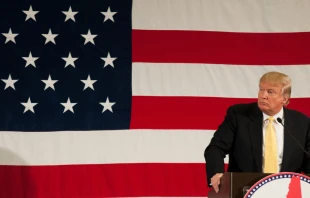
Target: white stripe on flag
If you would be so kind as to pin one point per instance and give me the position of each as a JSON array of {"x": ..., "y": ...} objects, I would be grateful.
[
  {"x": 222, "y": 15},
  {"x": 169, "y": 79},
  {"x": 104, "y": 147}
]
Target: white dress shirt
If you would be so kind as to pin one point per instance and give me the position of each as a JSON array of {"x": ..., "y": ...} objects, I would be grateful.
[{"x": 279, "y": 134}]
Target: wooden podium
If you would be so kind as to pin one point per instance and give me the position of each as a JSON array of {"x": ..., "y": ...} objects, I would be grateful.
[{"x": 234, "y": 185}]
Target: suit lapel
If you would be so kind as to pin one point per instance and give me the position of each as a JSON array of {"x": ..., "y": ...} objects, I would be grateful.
[
  {"x": 288, "y": 126},
  {"x": 256, "y": 136}
]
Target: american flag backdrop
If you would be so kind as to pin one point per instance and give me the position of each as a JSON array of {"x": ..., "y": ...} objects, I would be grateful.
[{"x": 120, "y": 98}]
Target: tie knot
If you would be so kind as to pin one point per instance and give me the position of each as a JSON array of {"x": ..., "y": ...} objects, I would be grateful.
[{"x": 271, "y": 119}]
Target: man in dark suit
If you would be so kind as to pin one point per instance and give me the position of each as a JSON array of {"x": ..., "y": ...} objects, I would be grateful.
[{"x": 253, "y": 138}]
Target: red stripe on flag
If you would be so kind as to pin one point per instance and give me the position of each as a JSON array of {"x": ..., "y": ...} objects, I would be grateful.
[
  {"x": 151, "y": 112},
  {"x": 220, "y": 47},
  {"x": 110, "y": 180}
]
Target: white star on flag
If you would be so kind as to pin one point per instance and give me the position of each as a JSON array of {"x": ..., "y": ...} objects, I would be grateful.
[
  {"x": 107, "y": 105},
  {"x": 49, "y": 83},
  {"x": 30, "y": 60},
  {"x": 30, "y": 14},
  {"x": 108, "y": 15},
  {"x": 70, "y": 61},
  {"x": 50, "y": 37},
  {"x": 29, "y": 105},
  {"x": 88, "y": 83},
  {"x": 9, "y": 82},
  {"x": 69, "y": 14},
  {"x": 9, "y": 36},
  {"x": 89, "y": 37},
  {"x": 68, "y": 105},
  {"x": 109, "y": 60}
]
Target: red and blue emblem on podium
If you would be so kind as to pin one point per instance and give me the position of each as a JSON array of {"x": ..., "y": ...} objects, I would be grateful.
[{"x": 281, "y": 185}]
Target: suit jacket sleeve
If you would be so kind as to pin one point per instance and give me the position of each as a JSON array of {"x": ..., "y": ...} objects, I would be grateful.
[
  {"x": 220, "y": 145},
  {"x": 306, "y": 162}
]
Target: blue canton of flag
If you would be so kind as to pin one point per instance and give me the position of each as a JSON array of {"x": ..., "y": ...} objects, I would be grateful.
[{"x": 65, "y": 65}]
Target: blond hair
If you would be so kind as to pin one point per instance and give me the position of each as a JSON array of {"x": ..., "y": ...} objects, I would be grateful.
[{"x": 279, "y": 79}]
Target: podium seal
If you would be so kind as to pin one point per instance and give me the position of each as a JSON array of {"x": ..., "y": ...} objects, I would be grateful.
[{"x": 281, "y": 185}]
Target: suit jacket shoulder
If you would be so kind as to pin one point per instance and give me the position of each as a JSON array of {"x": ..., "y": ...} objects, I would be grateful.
[
  {"x": 295, "y": 115},
  {"x": 245, "y": 109}
]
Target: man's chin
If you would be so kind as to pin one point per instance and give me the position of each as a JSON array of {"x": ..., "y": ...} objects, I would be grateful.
[{"x": 263, "y": 107}]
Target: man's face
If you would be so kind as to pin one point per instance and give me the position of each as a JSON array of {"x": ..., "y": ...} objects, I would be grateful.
[{"x": 270, "y": 98}]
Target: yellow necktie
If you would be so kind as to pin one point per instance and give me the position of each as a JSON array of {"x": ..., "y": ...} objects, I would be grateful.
[{"x": 271, "y": 154}]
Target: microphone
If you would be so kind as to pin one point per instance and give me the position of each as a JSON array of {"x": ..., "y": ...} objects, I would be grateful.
[{"x": 280, "y": 121}]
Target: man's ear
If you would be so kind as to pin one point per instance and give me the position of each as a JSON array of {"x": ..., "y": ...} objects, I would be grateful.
[{"x": 285, "y": 100}]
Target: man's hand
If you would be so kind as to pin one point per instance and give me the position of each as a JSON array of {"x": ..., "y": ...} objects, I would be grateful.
[{"x": 215, "y": 181}]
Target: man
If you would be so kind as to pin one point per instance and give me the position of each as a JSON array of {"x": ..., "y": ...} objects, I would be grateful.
[{"x": 255, "y": 144}]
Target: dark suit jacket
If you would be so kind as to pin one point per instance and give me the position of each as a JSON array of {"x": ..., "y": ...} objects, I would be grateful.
[{"x": 241, "y": 137}]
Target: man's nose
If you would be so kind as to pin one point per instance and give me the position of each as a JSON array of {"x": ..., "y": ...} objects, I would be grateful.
[{"x": 264, "y": 95}]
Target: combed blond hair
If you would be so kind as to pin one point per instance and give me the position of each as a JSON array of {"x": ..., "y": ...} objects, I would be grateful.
[{"x": 279, "y": 79}]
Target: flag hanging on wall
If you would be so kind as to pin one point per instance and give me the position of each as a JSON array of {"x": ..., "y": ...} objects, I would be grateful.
[{"x": 120, "y": 98}]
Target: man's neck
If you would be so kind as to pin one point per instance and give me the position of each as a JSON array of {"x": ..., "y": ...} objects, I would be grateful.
[{"x": 274, "y": 114}]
